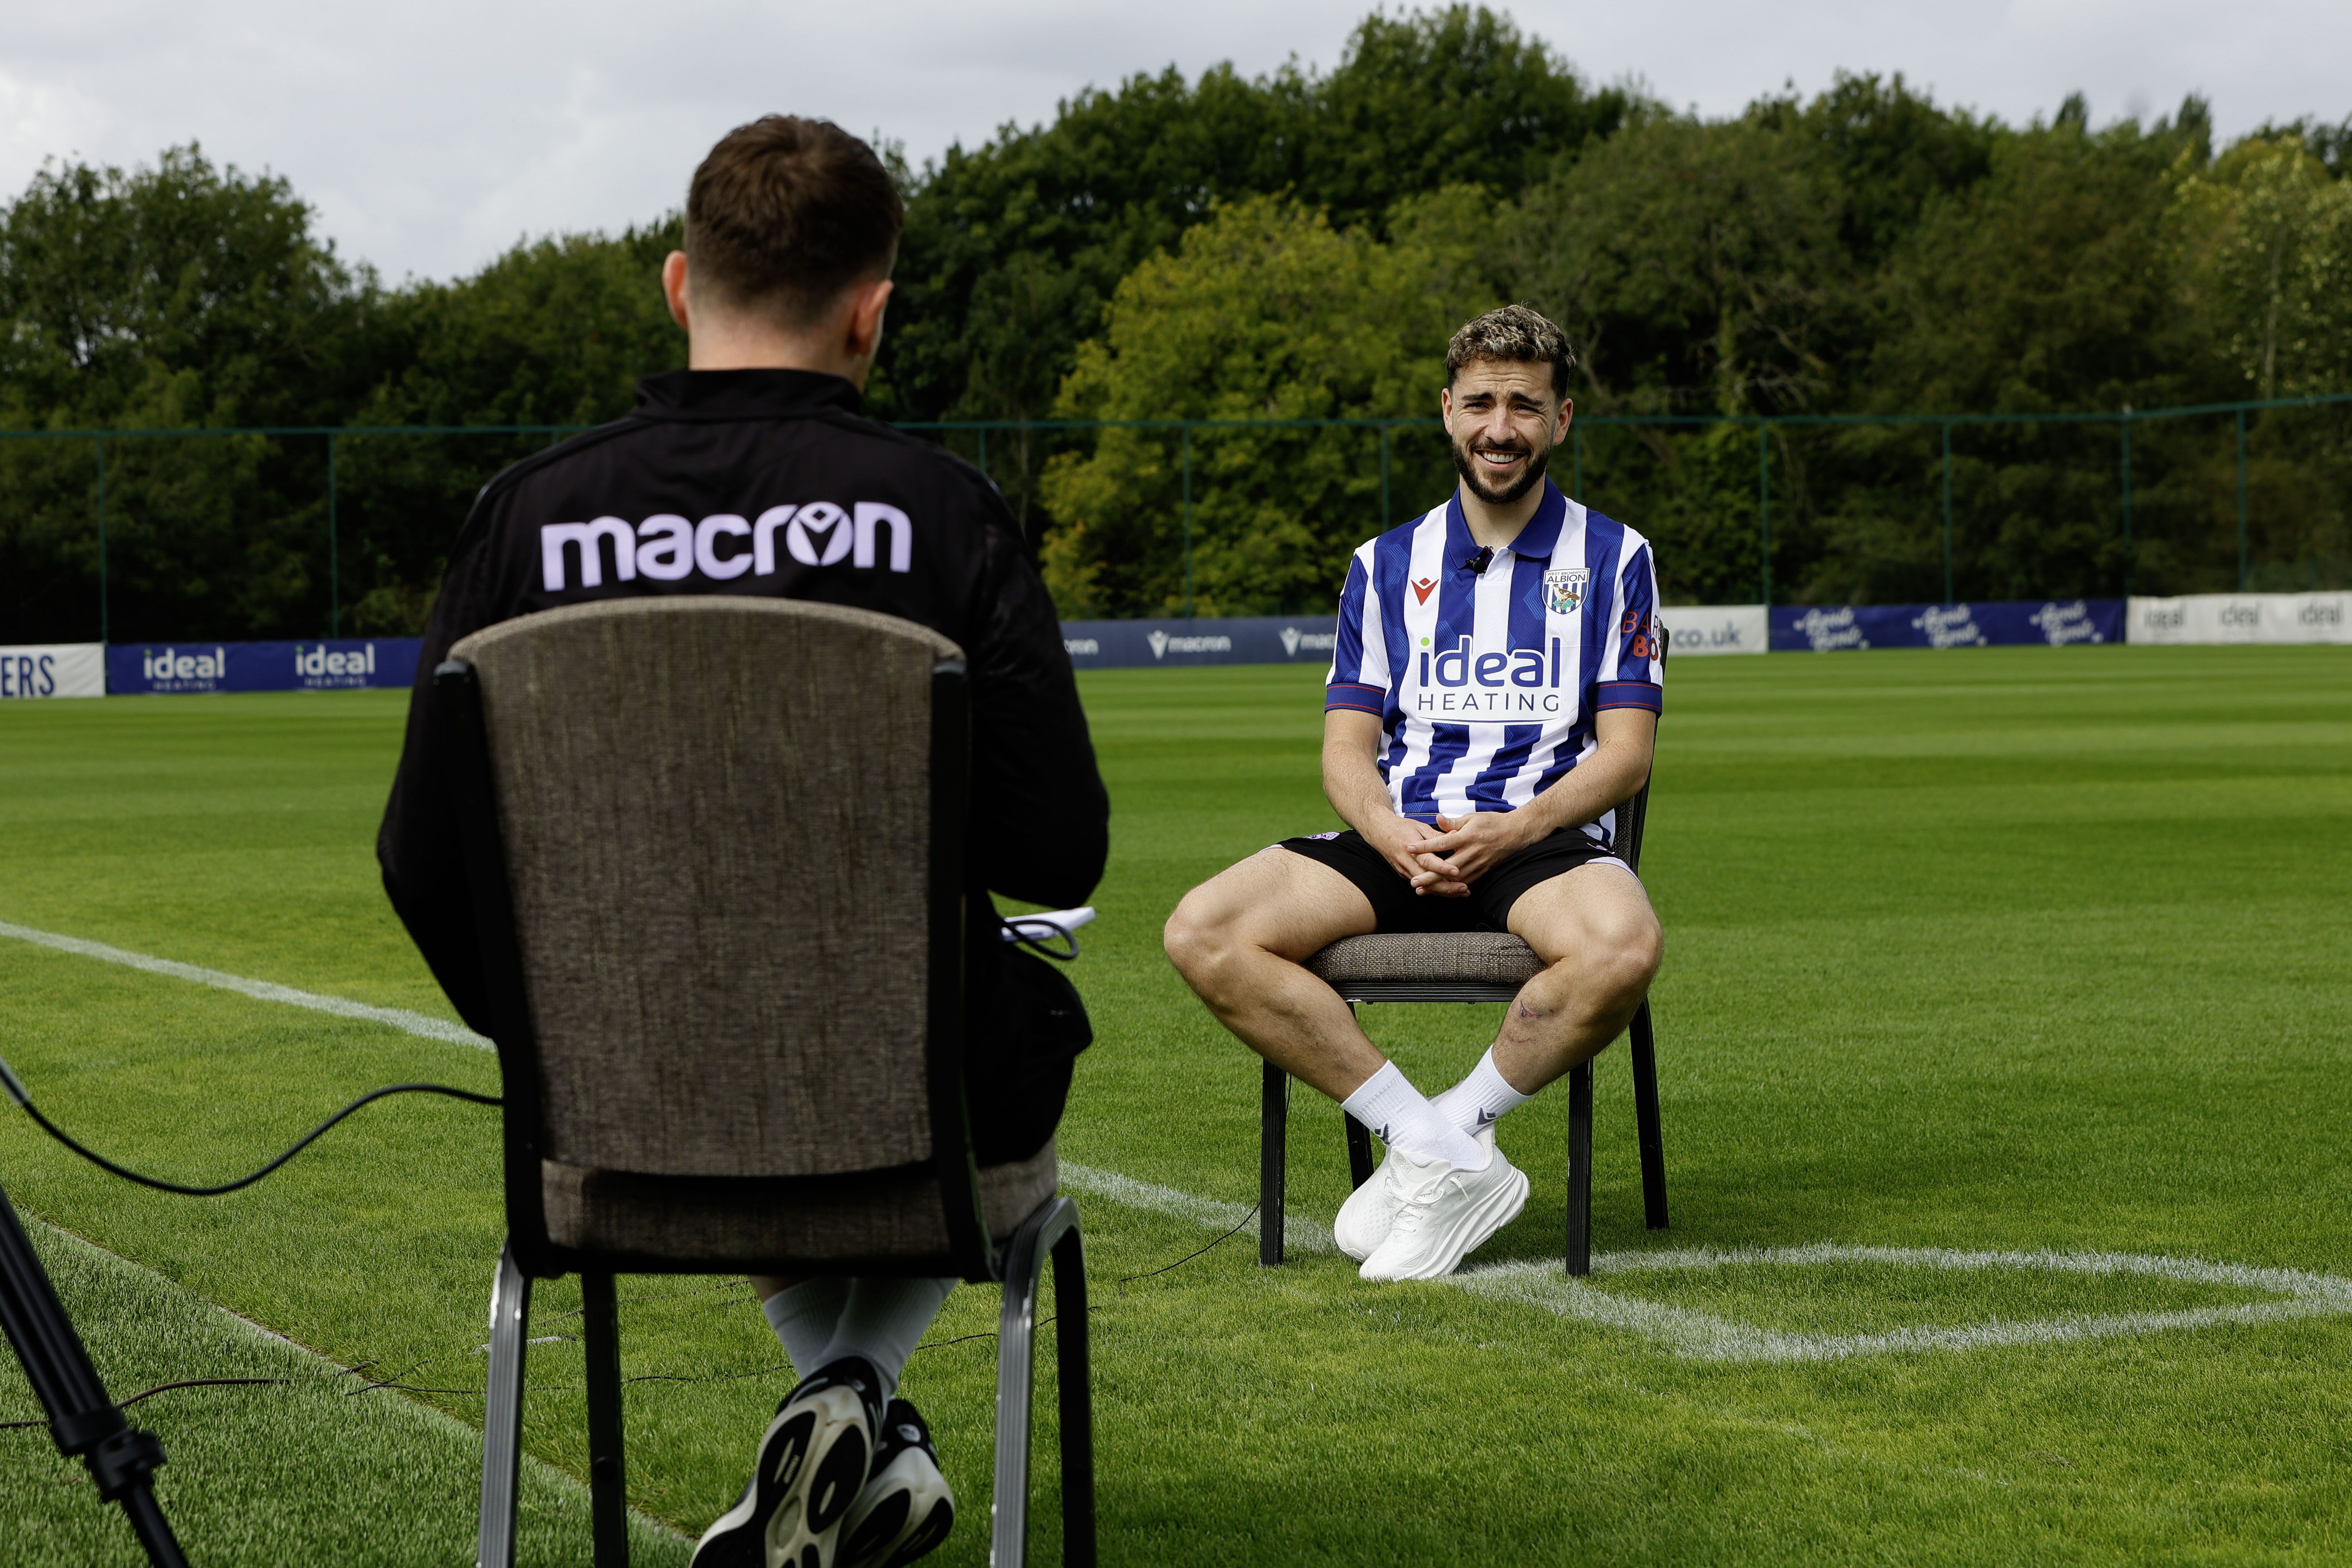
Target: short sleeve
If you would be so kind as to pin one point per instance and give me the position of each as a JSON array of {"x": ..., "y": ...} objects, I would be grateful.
[
  {"x": 1633, "y": 674},
  {"x": 1345, "y": 687}
]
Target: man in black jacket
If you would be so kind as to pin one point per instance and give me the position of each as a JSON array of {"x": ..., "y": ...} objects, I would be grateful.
[{"x": 755, "y": 472}]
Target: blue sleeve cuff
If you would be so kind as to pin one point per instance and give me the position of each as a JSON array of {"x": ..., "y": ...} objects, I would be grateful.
[
  {"x": 1355, "y": 698},
  {"x": 1628, "y": 693}
]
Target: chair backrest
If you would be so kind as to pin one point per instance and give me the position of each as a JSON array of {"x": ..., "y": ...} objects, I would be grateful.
[
  {"x": 1633, "y": 816},
  {"x": 730, "y": 837}
]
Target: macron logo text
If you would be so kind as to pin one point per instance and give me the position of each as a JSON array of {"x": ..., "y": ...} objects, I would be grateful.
[{"x": 667, "y": 547}]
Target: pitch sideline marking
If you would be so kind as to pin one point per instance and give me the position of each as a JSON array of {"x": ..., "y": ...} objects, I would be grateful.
[
  {"x": 262, "y": 990},
  {"x": 1307, "y": 1234},
  {"x": 1695, "y": 1335},
  {"x": 1701, "y": 1336},
  {"x": 415, "y": 1410}
]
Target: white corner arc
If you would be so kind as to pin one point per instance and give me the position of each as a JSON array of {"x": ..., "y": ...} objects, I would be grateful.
[{"x": 1701, "y": 1336}]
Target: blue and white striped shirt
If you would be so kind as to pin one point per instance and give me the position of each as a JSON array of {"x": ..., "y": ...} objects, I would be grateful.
[{"x": 1486, "y": 685}]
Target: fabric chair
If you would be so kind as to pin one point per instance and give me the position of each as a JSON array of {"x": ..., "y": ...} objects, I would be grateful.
[
  {"x": 1471, "y": 967},
  {"x": 715, "y": 847}
]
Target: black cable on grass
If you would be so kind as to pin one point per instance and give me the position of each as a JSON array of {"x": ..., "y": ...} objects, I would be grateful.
[
  {"x": 165, "y": 1389},
  {"x": 397, "y": 1386},
  {"x": 1127, "y": 1279},
  {"x": 1188, "y": 1257},
  {"x": 15, "y": 1088}
]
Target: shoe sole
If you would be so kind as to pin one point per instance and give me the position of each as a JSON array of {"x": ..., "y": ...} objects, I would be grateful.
[
  {"x": 812, "y": 1467},
  {"x": 910, "y": 1518},
  {"x": 1496, "y": 1210}
]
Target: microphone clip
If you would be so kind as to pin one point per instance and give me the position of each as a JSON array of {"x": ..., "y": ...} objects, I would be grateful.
[{"x": 1479, "y": 563}]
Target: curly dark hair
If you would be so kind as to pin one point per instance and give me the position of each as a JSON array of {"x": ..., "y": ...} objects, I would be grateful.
[{"x": 1515, "y": 334}]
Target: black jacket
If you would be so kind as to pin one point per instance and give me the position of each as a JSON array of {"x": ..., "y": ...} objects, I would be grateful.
[{"x": 771, "y": 483}]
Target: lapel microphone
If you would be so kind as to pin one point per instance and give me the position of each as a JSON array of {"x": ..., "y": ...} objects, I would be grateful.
[{"x": 1481, "y": 562}]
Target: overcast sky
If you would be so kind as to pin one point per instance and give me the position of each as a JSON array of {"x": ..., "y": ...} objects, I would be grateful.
[{"x": 431, "y": 134}]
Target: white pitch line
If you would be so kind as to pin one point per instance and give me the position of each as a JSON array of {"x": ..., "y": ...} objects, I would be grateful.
[
  {"x": 261, "y": 990},
  {"x": 1697, "y": 1335},
  {"x": 1298, "y": 1230},
  {"x": 1701, "y": 1336},
  {"x": 415, "y": 1411}
]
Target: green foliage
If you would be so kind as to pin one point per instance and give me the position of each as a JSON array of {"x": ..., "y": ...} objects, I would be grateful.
[
  {"x": 1427, "y": 99},
  {"x": 192, "y": 297},
  {"x": 1265, "y": 312},
  {"x": 1013, "y": 250},
  {"x": 1169, "y": 248},
  {"x": 178, "y": 297},
  {"x": 2269, "y": 235},
  {"x": 1053, "y": 216},
  {"x": 557, "y": 331},
  {"x": 182, "y": 292},
  {"x": 1696, "y": 269}
]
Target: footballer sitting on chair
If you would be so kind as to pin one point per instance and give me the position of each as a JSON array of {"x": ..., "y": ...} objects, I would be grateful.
[{"x": 1494, "y": 698}]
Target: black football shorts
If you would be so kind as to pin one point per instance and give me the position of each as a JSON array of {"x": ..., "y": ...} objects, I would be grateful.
[{"x": 1397, "y": 907}]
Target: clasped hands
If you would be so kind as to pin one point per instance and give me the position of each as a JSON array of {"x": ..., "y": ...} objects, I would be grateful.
[{"x": 1444, "y": 860}]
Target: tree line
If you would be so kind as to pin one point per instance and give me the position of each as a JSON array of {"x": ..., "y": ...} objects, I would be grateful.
[{"x": 1294, "y": 246}]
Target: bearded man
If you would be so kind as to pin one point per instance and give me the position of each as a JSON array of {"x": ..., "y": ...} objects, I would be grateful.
[{"x": 1494, "y": 698}]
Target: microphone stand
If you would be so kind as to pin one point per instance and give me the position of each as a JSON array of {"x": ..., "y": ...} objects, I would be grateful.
[{"x": 84, "y": 1423}]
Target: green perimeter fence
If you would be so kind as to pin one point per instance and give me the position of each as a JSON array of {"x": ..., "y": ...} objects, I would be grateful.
[{"x": 1064, "y": 435}]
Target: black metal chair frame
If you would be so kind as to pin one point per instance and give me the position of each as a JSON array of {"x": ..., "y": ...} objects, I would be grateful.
[{"x": 1018, "y": 1263}]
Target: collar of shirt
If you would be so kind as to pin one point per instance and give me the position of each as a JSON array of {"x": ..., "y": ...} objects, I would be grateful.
[
  {"x": 743, "y": 394},
  {"x": 1536, "y": 540}
]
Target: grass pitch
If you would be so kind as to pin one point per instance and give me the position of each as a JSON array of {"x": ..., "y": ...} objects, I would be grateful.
[{"x": 1974, "y": 958}]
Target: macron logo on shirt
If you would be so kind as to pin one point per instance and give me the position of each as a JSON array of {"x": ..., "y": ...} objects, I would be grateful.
[{"x": 669, "y": 548}]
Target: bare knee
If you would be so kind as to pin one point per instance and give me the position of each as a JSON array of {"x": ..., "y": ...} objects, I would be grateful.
[
  {"x": 1200, "y": 940},
  {"x": 1623, "y": 959}
]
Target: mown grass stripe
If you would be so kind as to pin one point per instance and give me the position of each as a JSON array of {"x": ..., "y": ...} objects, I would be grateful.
[
  {"x": 1697, "y": 1335},
  {"x": 407, "y": 1411},
  {"x": 264, "y": 990}
]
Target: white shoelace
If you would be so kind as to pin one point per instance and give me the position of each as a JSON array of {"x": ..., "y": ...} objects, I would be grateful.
[{"x": 1416, "y": 1204}]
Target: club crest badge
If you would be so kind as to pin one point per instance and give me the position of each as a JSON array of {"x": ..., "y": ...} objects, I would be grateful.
[{"x": 1564, "y": 589}]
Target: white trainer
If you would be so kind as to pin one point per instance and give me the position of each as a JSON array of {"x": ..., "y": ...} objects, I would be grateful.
[
  {"x": 1444, "y": 1216},
  {"x": 1365, "y": 1219}
]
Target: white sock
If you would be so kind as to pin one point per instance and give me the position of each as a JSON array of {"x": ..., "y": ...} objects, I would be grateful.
[
  {"x": 1398, "y": 1115},
  {"x": 883, "y": 1321},
  {"x": 804, "y": 1317},
  {"x": 1480, "y": 1099}
]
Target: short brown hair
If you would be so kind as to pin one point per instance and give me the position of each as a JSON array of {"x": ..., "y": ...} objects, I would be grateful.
[
  {"x": 1512, "y": 335},
  {"x": 786, "y": 213}
]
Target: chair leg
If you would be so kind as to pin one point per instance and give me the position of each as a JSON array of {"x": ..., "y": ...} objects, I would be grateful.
[
  {"x": 502, "y": 1414},
  {"x": 1273, "y": 1161},
  {"x": 1580, "y": 1171},
  {"x": 1359, "y": 1151},
  {"x": 1077, "y": 1402},
  {"x": 1016, "y": 1334},
  {"x": 1360, "y": 1142},
  {"x": 608, "y": 1492},
  {"x": 1645, "y": 1115}
]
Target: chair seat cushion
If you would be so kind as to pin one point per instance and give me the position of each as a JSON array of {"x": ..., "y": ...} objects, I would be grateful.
[
  {"x": 1487, "y": 957},
  {"x": 866, "y": 1218}
]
